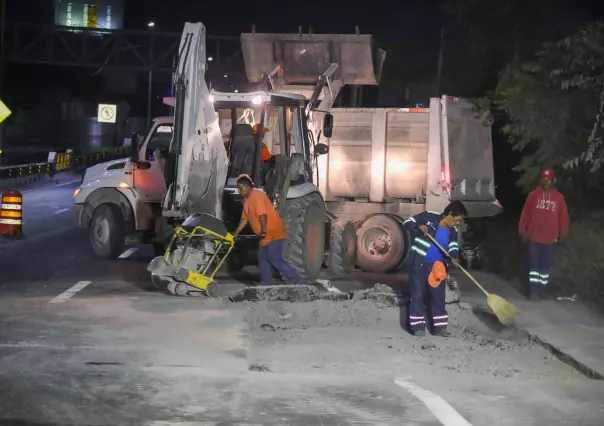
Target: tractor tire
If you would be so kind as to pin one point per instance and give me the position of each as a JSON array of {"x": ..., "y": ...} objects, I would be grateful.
[
  {"x": 305, "y": 244},
  {"x": 107, "y": 231},
  {"x": 381, "y": 243},
  {"x": 342, "y": 255}
]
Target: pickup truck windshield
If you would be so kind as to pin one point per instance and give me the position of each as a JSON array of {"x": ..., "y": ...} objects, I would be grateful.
[{"x": 161, "y": 138}]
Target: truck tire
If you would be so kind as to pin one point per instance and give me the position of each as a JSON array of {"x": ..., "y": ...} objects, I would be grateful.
[
  {"x": 305, "y": 244},
  {"x": 381, "y": 243},
  {"x": 407, "y": 238},
  {"x": 107, "y": 231},
  {"x": 342, "y": 254}
]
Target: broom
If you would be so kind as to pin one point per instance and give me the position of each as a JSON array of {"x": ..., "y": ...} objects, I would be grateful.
[{"x": 503, "y": 310}]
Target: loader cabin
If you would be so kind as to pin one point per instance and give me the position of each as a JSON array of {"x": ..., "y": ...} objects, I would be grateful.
[
  {"x": 280, "y": 120},
  {"x": 275, "y": 120}
]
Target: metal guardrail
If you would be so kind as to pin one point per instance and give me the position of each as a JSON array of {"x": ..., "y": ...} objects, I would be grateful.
[{"x": 62, "y": 161}]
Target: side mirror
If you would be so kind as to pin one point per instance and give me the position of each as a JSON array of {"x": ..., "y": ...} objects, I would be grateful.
[
  {"x": 327, "y": 125},
  {"x": 134, "y": 147},
  {"x": 321, "y": 149}
]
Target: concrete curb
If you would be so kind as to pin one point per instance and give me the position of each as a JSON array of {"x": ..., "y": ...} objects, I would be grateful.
[
  {"x": 567, "y": 359},
  {"x": 22, "y": 180},
  {"x": 484, "y": 314},
  {"x": 21, "y": 184},
  {"x": 52, "y": 185}
]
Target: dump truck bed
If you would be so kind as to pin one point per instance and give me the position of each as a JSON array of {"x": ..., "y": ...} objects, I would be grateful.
[{"x": 415, "y": 157}]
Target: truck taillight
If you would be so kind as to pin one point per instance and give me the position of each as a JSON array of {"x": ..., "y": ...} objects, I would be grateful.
[{"x": 444, "y": 176}]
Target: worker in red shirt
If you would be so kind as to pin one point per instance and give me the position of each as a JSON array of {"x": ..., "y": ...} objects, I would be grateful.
[{"x": 543, "y": 221}]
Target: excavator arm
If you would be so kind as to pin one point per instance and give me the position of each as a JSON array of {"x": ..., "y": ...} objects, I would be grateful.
[{"x": 198, "y": 156}]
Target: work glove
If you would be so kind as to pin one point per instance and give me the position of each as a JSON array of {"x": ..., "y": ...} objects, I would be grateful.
[{"x": 423, "y": 228}]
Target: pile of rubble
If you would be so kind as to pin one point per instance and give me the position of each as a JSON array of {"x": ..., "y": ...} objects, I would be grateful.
[{"x": 379, "y": 293}]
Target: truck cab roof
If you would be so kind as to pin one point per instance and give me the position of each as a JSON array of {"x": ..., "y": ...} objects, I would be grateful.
[
  {"x": 258, "y": 98},
  {"x": 249, "y": 99}
]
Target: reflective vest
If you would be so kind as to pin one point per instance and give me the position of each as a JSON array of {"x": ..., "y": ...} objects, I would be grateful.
[{"x": 420, "y": 243}]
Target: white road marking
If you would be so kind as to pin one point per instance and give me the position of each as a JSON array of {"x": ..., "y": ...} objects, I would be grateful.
[
  {"x": 61, "y": 211},
  {"x": 441, "y": 409},
  {"x": 128, "y": 253},
  {"x": 70, "y": 292}
]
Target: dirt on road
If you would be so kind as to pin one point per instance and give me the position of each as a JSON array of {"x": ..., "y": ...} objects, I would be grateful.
[{"x": 356, "y": 337}]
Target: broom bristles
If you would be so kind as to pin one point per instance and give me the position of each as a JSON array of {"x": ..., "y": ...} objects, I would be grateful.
[{"x": 504, "y": 310}]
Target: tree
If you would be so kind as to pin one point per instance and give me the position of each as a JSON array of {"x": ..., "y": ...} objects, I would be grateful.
[
  {"x": 483, "y": 36},
  {"x": 555, "y": 107}
]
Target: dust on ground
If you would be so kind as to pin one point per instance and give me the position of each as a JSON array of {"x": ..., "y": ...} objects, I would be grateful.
[{"x": 363, "y": 336}]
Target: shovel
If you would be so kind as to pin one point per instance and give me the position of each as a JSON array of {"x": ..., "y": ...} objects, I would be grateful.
[{"x": 503, "y": 310}]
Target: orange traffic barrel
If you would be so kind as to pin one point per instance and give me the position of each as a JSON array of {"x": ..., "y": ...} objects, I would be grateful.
[{"x": 11, "y": 214}]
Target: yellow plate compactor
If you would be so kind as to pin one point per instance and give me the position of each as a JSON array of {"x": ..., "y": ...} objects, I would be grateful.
[{"x": 196, "y": 252}]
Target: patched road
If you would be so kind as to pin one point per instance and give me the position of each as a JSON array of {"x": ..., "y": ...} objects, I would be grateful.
[{"x": 90, "y": 342}]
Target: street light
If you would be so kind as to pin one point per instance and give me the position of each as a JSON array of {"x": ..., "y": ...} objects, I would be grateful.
[
  {"x": 151, "y": 24},
  {"x": 210, "y": 59}
]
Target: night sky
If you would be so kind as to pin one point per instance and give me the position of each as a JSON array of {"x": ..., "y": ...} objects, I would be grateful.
[{"x": 409, "y": 33}]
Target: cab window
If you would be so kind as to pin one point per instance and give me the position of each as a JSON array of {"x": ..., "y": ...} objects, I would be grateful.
[{"x": 160, "y": 138}]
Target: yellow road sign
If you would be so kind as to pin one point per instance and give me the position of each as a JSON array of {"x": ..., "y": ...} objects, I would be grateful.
[
  {"x": 4, "y": 111},
  {"x": 107, "y": 113}
]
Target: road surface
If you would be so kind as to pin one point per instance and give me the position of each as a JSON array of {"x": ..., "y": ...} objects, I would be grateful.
[{"x": 89, "y": 342}]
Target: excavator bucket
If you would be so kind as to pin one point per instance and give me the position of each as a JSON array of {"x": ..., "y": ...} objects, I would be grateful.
[{"x": 305, "y": 57}]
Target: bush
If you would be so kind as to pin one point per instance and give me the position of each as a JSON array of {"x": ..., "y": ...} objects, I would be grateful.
[{"x": 579, "y": 265}]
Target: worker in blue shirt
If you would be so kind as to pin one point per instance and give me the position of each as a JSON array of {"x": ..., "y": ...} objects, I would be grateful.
[{"x": 426, "y": 266}]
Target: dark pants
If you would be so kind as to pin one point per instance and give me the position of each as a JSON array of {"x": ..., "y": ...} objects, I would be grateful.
[
  {"x": 419, "y": 289},
  {"x": 271, "y": 255},
  {"x": 541, "y": 259}
]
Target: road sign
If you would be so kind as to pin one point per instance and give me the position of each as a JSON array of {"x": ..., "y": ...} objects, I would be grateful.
[
  {"x": 107, "y": 113},
  {"x": 4, "y": 111}
]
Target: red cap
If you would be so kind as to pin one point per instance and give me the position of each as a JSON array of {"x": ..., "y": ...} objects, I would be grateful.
[{"x": 548, "y": 173}]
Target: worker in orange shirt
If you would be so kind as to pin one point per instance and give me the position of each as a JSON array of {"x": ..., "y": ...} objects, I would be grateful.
[
  {"x": 265, "y": 154},
  {"x": 260, "y": 214}
]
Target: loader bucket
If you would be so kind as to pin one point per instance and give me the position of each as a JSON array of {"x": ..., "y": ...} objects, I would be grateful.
[{"x": 304, "y": 57}]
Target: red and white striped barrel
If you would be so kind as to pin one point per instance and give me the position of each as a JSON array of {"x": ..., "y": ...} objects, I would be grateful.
[{"x": 11, "y": 214}]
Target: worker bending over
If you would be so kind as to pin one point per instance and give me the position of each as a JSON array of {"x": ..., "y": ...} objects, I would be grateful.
[
  {"x": 427, "y": 266},
  {"x": 259, "y": 213},
  {"x": 543, "y": 221}
]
